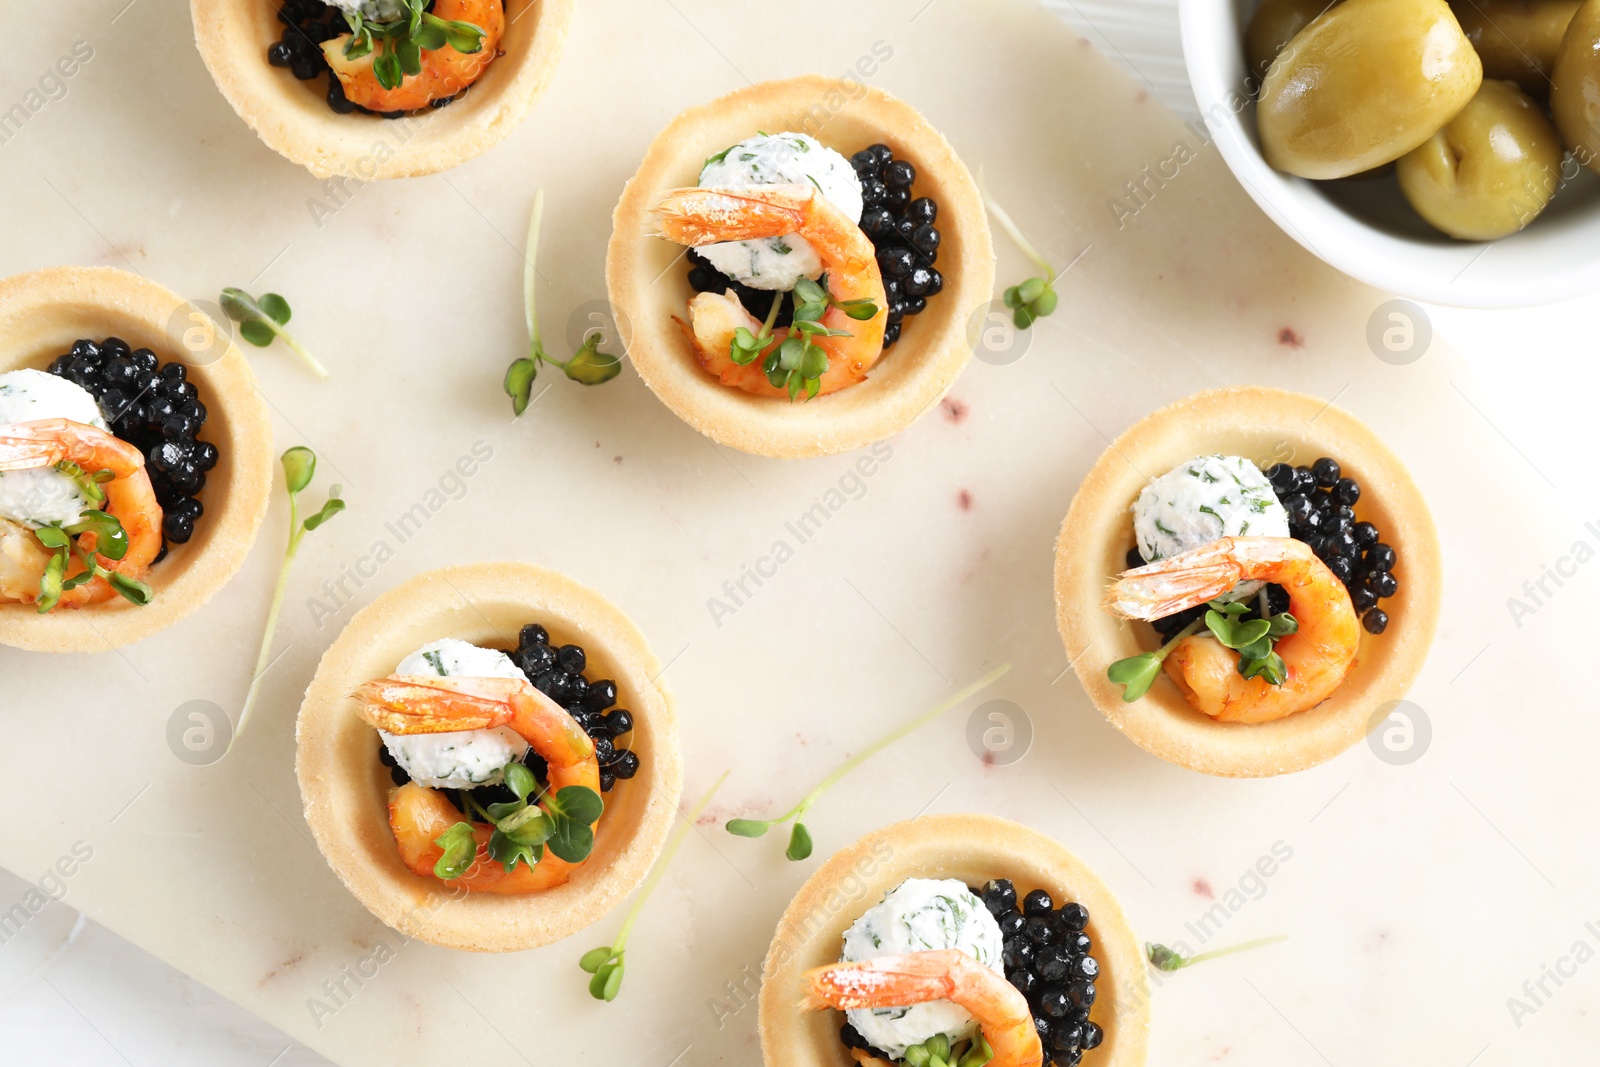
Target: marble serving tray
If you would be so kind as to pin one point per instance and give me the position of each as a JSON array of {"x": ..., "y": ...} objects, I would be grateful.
[{"x": 1423, "y": 881}]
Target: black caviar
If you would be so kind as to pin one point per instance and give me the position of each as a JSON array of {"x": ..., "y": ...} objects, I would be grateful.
[
  {"x": 557, "y": 671},
  {"x": 901, "y": 229},
  {"x": 901, "y": 226},
  {"x": 154, "y": 407},
  {"x": 306, "y": 24},
  {"x": 1321, "y": 503},
  {"x": 1047, "y": 958}
]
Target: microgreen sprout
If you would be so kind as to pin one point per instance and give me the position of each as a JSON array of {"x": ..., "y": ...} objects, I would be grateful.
[
  {"x": 937, "y": 1051},
  {"x": 263, "y": 319},
  {"x": 110, "y": 543},
  {"x": 400, "y": 41},
  {"x": 1253, "y": 639},
  {"x": 606, "y": 962},
  {"x": 299, "y": 466},
  {"x": 588, "y": 365},
  {"x": 1137, "y": 673},
  {"x": 798, "y": 363},
  {"x": 799, "y": 837},
  {"x": 1163, "y": 958},
  {"x": 1036, "y": 297},
  {"x": 562, "y": 821}
]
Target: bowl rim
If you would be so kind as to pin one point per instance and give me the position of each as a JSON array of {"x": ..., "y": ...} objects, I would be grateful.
[
  {"x": 1096, "y": 534},
  {"x": 109, "y": 302},
  {"x": 909, "y": 379},
  {"x": 944, "y": 845},
  {"x": 344, "y": 795},
  {"x": 275, "y": 105},
  {"x": 1213, "y": 56}
]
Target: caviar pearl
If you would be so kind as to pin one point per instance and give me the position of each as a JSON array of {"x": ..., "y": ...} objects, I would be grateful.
[
  {"x": 558, "y": 673},
  {"x": 154, "y": 407},
  {"x": 902, "y": 227},
  {"x": 1321, "y": 500},
  {"x": 1055, "y": 976}
]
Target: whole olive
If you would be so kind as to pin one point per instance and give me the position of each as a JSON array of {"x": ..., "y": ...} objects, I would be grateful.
[
  {"x": 1487, "y": 172},
  {"x": 1575, "y": 92},
  {"x": 1271, "y": 26},
  {"x": 1516, "y": 39},
  {"x": 1365, "y": 83}
]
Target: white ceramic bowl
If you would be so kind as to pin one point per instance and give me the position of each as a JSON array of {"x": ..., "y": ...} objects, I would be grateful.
[{"x": 1364, "y": 227}]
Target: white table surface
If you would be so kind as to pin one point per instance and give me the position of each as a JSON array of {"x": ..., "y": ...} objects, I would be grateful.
[{"x": 73, "y": 994}]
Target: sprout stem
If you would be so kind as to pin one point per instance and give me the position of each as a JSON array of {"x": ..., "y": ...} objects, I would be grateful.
[
  {"x": 298, "y": 349},
  {"x": 530, "y": 274},
  {"x": 1172, "y": 642},
  {"x": 1015, "y": 233},
  {"x": 1231, "y": 949},
  {"x": 674, "y": 843},
  {"x": 263, "y": 658},
  {"x": 888, "y": 739}
]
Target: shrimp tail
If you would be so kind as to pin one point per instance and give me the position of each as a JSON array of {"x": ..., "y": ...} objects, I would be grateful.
[
  {"x": 1147, "y": 593},
  {"x": 417, "y": 704},
  {"x": 24, "y": 448},
  {"x": 703, "y": 216}
]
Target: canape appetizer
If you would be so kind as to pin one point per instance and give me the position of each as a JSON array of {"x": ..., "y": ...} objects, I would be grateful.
[
  {"x": 959, "y": 939},
  {"x": 489, "y": 767},
  {"x": 829, "y": 270},
  {"x": 133, "y": 476},
  {"x": 1286, "y": 602},
  {"x": 309, "y": 76}
]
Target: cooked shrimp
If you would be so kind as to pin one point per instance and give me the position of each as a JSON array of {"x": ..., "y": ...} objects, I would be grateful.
[
  {"x": 47, "y": 442},
  {"x": 423, "y": 704},
  {"x": 420, "y": 816},
  {"x": 702, "y": 216},
  {"x": 1318, "y": 655},
  {"x": 1002, "y": 1012},
  {"x": 445, "y": 72},
  {"x": 22, "y": 562},
  {"x": 713, "y": 318},
  {"x": 867, "y": 1059}
]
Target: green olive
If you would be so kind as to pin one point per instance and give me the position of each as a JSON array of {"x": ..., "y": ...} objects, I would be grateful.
[
  {"x": 1489, "y": 171},
  {"x": 1272, "y": 24},
  {"x": 1516, "y": 39},
  {"x": 1364, "y": 84},
  {"x": 1575, "y": 94}
]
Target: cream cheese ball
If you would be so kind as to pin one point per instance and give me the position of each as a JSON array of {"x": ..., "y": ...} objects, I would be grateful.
[
  {"x": 778, "y": 159},
  {"x": 44, "y": 497},
  {"x": 376, "y": 10},
  {"x": 1197, "y": 502},
  {"x": 461, "y": 759},
  {"x": 921, "y": 915}
]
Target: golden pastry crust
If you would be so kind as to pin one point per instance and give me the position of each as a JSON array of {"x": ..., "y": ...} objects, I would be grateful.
[
  {"x": 974, "y": 849},
  {"x": 41, "y": 314},
  {"x": 647, "y": 289},
  {"x": 1268, "y": 426},
  {"x": 345, "y": 789},
  {"x": 294, "y": 120}
]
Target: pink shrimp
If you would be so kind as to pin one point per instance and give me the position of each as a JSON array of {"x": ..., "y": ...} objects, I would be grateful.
[
  {"x": 1003, "y": 1014},
  {"x": 701, "y": 216},
  {"x": 424, "y": 704},
  {"x": 1318, "y": 654},
  {"x": 129, "y": 497}
]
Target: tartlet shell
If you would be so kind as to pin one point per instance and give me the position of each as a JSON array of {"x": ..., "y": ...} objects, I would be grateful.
[
  {"x": 974, "y": 849},
  {"x": 345, "y": 789},
  {"x": 41, "y": 314},
  {"x": 294, "y": 120},
  {"x": 1265, "y": 425},
  {"x": 647, "y": 285}
]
